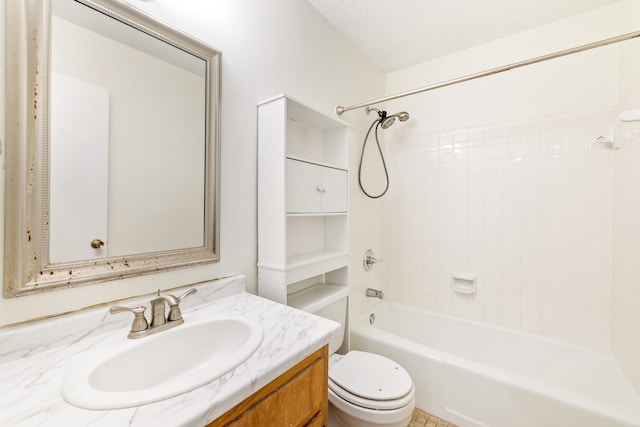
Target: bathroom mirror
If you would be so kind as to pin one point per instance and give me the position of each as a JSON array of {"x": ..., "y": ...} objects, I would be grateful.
[{"x": 112, "y": 151}]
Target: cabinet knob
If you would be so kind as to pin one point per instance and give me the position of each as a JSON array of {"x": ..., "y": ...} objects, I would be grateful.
[
  {"x": 97, "y": 243},
  {"x": 321, "y": 189}
]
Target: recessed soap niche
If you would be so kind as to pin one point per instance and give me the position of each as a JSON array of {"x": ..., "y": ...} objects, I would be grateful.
[{"x": 463, "y": 283}]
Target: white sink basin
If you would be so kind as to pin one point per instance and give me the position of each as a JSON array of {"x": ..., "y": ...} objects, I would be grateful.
[{"x": 163, "y": 365}]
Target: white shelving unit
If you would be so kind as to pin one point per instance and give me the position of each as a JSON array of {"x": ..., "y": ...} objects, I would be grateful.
[{"x": 302, "y": 200}]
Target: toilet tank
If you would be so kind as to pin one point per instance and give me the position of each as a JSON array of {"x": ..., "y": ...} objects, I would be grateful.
[{"x": 324, "y": 300}]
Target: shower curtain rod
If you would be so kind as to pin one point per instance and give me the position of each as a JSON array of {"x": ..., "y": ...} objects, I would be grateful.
[{"x": 605, "y": 42}]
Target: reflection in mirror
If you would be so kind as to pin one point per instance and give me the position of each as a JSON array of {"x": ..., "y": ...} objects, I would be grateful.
[
  {"x": 120, "y": 173},
  {"x": 123, "y": 140}
]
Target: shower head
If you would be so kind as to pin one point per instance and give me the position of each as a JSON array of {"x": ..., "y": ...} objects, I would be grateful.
[{"x": 386, "y": 123}]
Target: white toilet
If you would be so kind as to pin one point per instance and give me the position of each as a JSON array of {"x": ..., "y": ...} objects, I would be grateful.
[{"x": 365, "y": 389}]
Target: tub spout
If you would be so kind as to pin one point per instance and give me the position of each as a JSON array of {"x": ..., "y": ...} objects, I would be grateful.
[{"x": 375, "y": 293}]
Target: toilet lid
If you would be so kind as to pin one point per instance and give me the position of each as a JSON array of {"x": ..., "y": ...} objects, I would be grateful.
[{"x": 370, "y": 376}]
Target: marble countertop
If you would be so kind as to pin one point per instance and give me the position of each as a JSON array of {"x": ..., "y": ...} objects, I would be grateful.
[{"x": 35, "y": 359}]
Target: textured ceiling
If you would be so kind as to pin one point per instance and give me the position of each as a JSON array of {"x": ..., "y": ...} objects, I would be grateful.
[{"x": 395, "y": 34}]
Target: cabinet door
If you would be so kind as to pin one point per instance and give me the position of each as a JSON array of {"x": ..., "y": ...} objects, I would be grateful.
[
  {"x": 314, "y": 188},
  {"x": 304, "y": 185},
  {"x": 292, "y": 405},
  {"x": 320, "y": 420},
  {"x": 296, "y": 398},
  {"x": 334, "y": 190}
]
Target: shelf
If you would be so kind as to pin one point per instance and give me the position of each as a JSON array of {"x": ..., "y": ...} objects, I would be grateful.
[
  {"x": 302, "y": 260},
  {"x": 326, "y": 165},
  {"x": 295, "y": 262},
  {"x": 303, "y": 266},
  {"x": 297, "y": 214},
  {"x": 317, "y": 296}
]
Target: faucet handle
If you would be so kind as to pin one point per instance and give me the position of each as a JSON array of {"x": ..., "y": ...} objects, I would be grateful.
[
  {"x": 186, "y": 294},
  {"x": 174, "y": 309},
  {"x": 368, "y": 260},
  {"x": 139, "y": 321}
]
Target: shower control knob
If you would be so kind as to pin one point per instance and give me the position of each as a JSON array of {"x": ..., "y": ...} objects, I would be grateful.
[{"x": 368, "y": 260}]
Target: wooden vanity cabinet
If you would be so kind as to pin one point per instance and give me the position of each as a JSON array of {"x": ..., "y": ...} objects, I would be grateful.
[{"x": 296, "y": 398}]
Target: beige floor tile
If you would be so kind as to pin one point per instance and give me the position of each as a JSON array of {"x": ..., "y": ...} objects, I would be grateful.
[{"x": 420, "y": 418}]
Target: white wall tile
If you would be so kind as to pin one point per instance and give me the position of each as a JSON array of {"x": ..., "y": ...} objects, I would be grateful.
[
  {"x": 527, "y": 208},
  {"x": 624, "y": 291}
]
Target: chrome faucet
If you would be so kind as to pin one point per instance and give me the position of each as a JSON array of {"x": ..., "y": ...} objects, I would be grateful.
[
  {"x": 159, "y": 322},
  {"x": 375, "y": 293}
]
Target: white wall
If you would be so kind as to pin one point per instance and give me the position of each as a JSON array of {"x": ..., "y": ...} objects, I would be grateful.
[
  {"x": 626, "y": 209},
  {"x": 268, "y": 47},
  {"x": 500, "y": 178}
]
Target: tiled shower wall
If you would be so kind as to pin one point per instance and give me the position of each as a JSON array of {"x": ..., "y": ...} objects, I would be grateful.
[
  {"x": 626, "y": 209},
  {"x": 626, "y": 251},
  {"x": 524, "y": 207}
]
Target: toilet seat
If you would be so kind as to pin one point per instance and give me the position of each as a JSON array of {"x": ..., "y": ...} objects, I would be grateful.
[
  {"x": 378, "y": 405},
  {"x": 371, "y": 381}
]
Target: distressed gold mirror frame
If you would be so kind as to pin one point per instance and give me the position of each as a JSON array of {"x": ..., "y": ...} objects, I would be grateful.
[{"x": 27, "y": 267}]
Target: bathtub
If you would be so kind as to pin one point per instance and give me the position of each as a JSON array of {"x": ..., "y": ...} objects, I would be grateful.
[{"x": 474, "y": 374}]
